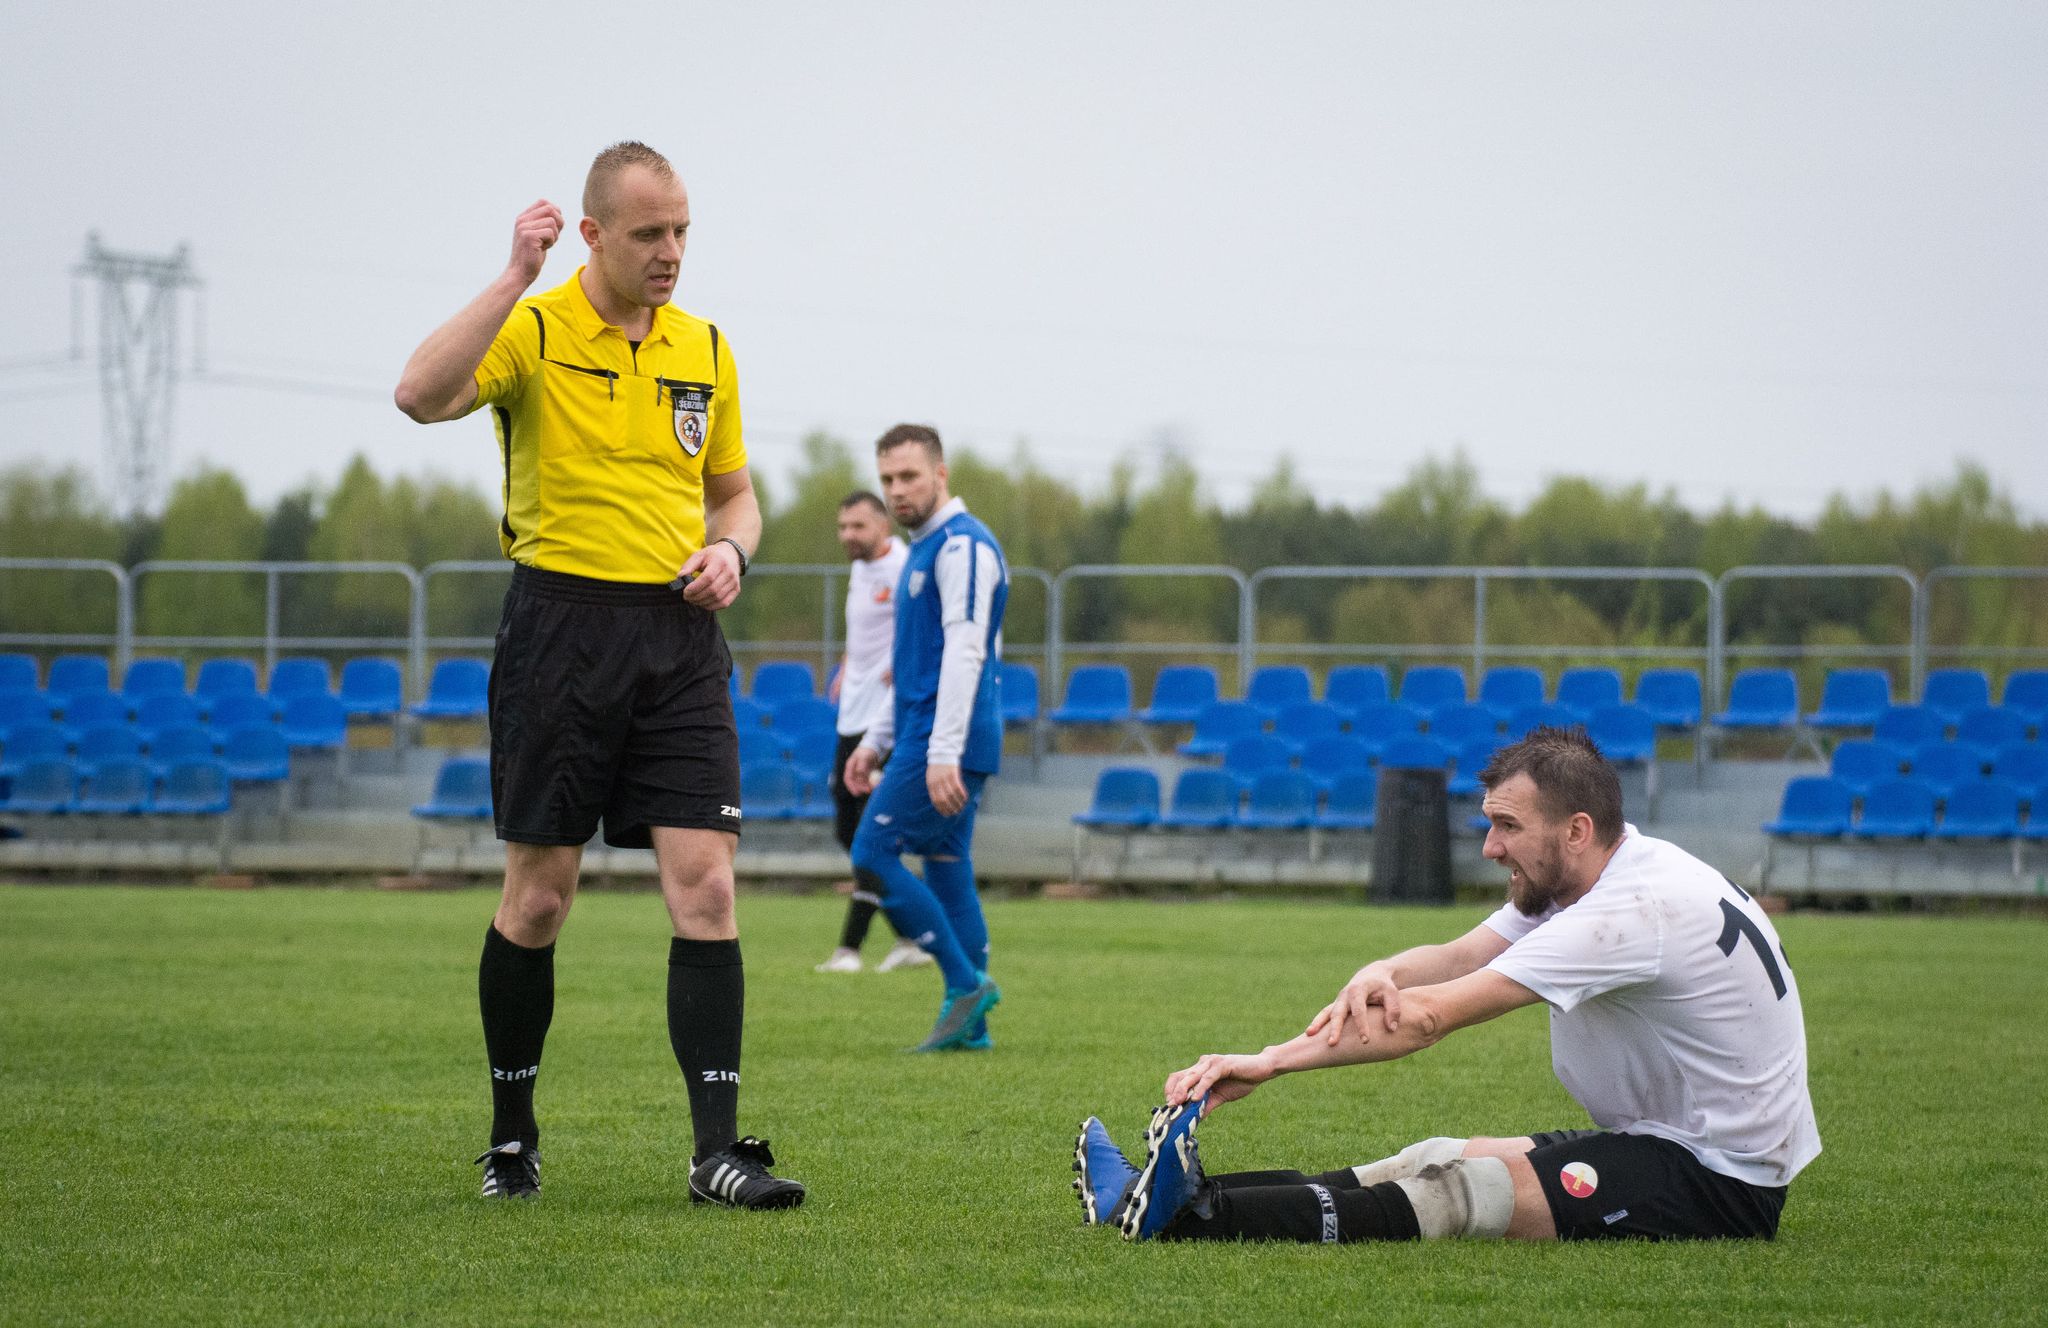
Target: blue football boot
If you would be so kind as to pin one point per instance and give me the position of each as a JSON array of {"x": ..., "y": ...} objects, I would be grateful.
[
  {"x": 1102, "y": 1173},
  {"x": 1172, "y": 1174},
  {"x": 958, "y": 1016}
]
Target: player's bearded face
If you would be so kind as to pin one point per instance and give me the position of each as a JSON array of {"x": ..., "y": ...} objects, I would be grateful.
[
  {"x": 914, "y": 484},
  {"x": 862, "y": 531},
  {"x": 1536, "y": 870}
]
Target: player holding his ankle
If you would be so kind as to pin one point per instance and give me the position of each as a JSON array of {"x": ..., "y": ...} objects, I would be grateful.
[{"x": 1675, "y": 1021}]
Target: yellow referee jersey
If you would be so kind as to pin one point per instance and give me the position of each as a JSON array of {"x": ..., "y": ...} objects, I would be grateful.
[{"x": 605, "y": 445}]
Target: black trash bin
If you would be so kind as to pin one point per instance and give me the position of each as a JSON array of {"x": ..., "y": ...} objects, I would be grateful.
[{"x": 1411, "y": 839}]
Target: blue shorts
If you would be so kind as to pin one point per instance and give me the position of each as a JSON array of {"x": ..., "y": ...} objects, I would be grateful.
[{"x": 901, "y": 816}]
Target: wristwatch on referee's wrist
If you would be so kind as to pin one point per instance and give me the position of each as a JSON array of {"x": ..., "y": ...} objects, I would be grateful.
[{"x": 744, "y": 560}]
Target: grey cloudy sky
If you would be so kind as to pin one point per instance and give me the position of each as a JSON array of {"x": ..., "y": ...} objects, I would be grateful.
[{"x": 1759, "y": 251}]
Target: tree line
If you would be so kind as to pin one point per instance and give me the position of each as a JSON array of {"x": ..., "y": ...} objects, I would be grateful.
[{"x": 1439, "y": 516}]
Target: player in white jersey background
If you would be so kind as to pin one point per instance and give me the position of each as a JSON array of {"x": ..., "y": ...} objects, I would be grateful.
[
  {"x": 1675, "y": 1022},
  {"x": 860, "y": 688}
]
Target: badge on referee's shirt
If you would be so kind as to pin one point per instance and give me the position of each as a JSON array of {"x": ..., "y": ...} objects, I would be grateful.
[{"x": 692, "y": 405}]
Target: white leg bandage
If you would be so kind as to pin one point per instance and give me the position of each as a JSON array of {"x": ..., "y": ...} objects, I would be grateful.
[
  {"x": 1410, "y": 1160},
  {"x": 1467, "y": 1196}
]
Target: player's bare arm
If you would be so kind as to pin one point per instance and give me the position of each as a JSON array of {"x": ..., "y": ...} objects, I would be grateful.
[
  {"x": 1434, "y": 1013},
  {"x": 1381, "y": 982},
  {"x": 439, "y": 382},
  {"x": 731, "y": 512}
]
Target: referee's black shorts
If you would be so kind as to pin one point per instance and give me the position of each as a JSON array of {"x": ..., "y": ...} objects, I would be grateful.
[
  {"x": 609, "y": 703},
  {"x": 1605, "y": 1185}
]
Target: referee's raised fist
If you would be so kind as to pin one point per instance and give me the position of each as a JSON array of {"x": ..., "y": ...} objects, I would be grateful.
[{"x": 532, "y": 236}]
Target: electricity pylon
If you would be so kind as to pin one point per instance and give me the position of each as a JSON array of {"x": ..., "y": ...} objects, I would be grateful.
[{"x": 138, "y": 354}]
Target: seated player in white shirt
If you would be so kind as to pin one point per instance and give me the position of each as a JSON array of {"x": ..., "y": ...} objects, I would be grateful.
[{"x": 1675, "y": 1022}]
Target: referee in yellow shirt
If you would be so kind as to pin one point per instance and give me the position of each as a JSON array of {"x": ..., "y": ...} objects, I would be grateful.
[{"x": 630, "y": 519}]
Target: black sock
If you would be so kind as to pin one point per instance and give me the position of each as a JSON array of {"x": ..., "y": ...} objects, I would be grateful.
[
  {"x": 1312, "y": 1213},
  {"x": 860, "y": 913},
  {"x": 706, "y": 1000},
  {"x": 1238, "y": 1180},
  {"x": 516, "y": 991}
]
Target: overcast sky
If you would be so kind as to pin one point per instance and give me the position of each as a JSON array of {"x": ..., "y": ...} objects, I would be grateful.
[{"x": 1752, "y": 251}]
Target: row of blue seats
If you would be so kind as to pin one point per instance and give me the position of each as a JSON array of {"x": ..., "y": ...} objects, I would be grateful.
[
  {"x": 1904, "y": 808},
  {"x": 1863, "y": 763},
  {"x": 310, "y": 721},
  {"x": 790, "y": 687},
  {"x": 251, "y": 748},
  {"x": 1127, "y": 799},
  {"x": 1861, "y": 698},
  {"x": 1629, "y": 730},
  {"x": 120, "y": 787},
  {"x": 372, "y": 687}
]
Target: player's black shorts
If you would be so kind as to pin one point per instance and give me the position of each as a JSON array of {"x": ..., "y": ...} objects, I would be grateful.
[
  {"x": 1604, "y": 1186},
  {"x": 609, "y": 702}
]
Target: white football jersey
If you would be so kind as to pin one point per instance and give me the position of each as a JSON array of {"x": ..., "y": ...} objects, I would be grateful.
[
  {"x": 1673, "y": 1012},
  {"x": 870, "y": 637}
]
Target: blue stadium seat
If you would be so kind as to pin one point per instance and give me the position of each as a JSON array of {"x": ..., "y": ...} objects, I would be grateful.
[
  {"x": 457, "y": 689},
  {"x": 771, "y": 792},
  {"x": 1020, "y": 693},
  {"x": 1951, "y": 693},
  {"x": 2026, "y": 691},
  {"x": 18, "y": 708},
  {"x": 1813, "y": 805},
  {"x": 29, "y": 744},
  {"x": 297, "y": 676},
  {"x": 1353, "y": 802},
  {"x": 43, "y": 788},
  {"x": 154, "y": 714},
  {"x": 1625, "y": 734},
  {"x": 1126, "y": 797},
  {"x": 1852, "y": 699},
  {"x": 108, "y": 742},
  {"x": 1989, "y": 728},
  {"x": 73, "y": 674},
  {"x": 1096, "y": 694},
  {"x": 1456, "y": 725},
  {"x": 1416, "y": 752},
  {"x": 371, "y": 688},
  {"x": 223, "y": 677},
  {"x": 179, "y": 746},
  {"x": 1279, "y": 800},
  {"x": 1351, "y": 687},
  {"x": 1510, "y": 689},
  {"x": 815, "y": 802},
  {"x": 1304, "y": 722},
  {"x": 1546, "y": 715},
  {"x": 91, "y": 710},
  {"x": 234, "y": 712},
  {"x": 811, "y": 753},
  {"x": 116, "y": 787},
  {"x": 1761, "y": 699},
  {"x": 1248, "y": 757},
  {"x": 1864, "y": 763},
  {"x": 462, "y": 791},
  {"x": 1180, "y": 693},
  {"x": 1382, "y": 723},
  {"x": 1467, "y": 760},
  {"x": 1204, "y": 798},
  {"x": 1275, "y": 687},
  {"x": 759, "y": 747},
  {"x": 256, "y": 754},
  {"x": 1217, "y": 725},
  {"x": 781, "y": 680},
  {"x": 1897, "y": 809},
  {"x": 1946, "y": 766},
  {"x": 747, "y": 713},
  {"x": 1326, "y": 760},
  {"x": 802, "y": 714},
  {"x": 313, "y": 721},
  {"x": 194, "y": 788},
  {"x": 1980, "y": 809},
  {"x": 732, "y": 682},
  {"x": 1672, "y": 696},
  {"x": 1908, "y": 727},
  {"x": 18, "y": 673},
  {"x": 1430, "y": 687},
  {"x": 1582, "y": 691},
  {"x": 153, "y": 677},
  {"x": 2024, "y": 764}
]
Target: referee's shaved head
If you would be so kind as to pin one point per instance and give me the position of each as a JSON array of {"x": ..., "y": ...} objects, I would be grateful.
[{"x": 610, "y": 164}]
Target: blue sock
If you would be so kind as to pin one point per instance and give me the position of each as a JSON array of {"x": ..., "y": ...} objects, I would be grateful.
[
  {"x": 913, "y": 911},
  {"x": 952, "y": 882}
]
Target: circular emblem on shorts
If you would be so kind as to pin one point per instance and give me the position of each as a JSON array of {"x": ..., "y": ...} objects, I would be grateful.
[{"x": 1579, "y": 1180}]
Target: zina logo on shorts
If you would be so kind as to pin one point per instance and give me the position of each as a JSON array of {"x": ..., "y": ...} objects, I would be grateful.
[
  {"x": 733, "y": 812},
  {"x": 1579, "y": 1180}
]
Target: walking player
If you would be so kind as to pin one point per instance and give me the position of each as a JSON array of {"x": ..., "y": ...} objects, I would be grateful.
[
  {"x": 947, "y": 730},
  {"x": 1674, "y": 1020},
  {"x": 630, "y": 519}
]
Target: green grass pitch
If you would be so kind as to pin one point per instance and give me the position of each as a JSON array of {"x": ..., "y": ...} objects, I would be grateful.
[{"x": 261, "y": 1108}]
